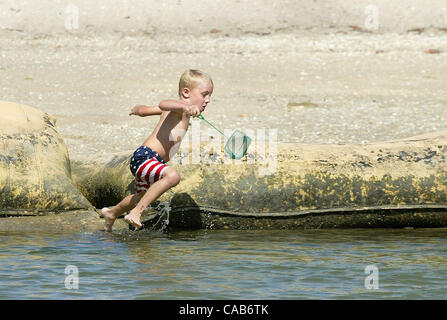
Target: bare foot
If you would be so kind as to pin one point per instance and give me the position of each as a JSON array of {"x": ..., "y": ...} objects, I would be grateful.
[
  {"x": 109, "y": 219},
  {"x": 132, "y": 220}
]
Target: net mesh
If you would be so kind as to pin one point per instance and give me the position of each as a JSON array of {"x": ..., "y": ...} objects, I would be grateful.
[{"x": 237, "y": 144}]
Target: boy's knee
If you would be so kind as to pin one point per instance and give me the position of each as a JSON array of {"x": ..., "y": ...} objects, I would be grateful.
[{"x": 172, "y": 177}]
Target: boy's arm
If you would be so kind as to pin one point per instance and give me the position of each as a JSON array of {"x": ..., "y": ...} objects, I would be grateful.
[
  {"x": 144, "y": 111},
  {"x": 173, "y": 105},
  {"x": 180, "y": 107}
]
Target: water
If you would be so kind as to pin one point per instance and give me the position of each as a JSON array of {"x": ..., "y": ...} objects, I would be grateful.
[{"x": 225, "y": 264}]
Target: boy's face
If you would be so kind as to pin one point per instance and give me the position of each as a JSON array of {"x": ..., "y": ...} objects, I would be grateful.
[{"x": 201, "y": 94}]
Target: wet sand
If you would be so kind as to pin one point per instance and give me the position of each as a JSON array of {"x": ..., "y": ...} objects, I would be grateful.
[{"x": 315, "y": 81}]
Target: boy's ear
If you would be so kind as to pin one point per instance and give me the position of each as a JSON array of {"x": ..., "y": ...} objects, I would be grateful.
[{"x": 185, "y": 93}]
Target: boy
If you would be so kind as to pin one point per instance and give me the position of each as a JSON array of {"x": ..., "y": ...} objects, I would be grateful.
[{"x": 148, "y": 163}]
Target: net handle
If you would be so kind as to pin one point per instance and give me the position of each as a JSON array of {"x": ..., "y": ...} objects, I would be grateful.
[{"x": 201, "y": 117}]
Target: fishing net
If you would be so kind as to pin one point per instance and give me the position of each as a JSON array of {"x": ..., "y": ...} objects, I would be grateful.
[{"x": 237, "y": 144}]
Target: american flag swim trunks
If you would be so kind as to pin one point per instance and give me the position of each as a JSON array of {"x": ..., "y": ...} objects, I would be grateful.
[{"x": 147, "y": 166}]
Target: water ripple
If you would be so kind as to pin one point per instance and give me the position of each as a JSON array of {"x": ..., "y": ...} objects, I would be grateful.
[{"x": 204, "y": 264}]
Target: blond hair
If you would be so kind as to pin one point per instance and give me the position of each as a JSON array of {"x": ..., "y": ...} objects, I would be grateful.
[{"x": 191, "y": 78}]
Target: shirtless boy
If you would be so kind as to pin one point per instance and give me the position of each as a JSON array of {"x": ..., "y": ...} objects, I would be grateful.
[{"x": 148, "y": 163}]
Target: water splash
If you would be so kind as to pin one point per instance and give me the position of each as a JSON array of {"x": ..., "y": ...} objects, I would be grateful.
[{"x": 162, "y": 209}]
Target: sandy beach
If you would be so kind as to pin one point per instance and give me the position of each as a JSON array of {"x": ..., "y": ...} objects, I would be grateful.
[{"x": 315, "y": 71}]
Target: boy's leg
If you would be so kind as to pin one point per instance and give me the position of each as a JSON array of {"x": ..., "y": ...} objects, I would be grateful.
[
  {"x": 169, "y": 179},
  {"x": 127, "y": 204}
]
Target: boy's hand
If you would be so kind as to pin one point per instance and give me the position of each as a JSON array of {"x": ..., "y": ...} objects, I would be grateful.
[
  {"x": 192, "y": 110},
  {"x": 135, "y": 110}
]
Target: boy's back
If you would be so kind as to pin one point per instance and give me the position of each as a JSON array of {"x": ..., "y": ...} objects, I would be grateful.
[
  {"x": 174, "y": 120},
  {"x": 170, "y": 130}
]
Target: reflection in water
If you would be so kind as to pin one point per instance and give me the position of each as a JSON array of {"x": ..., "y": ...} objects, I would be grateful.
[{"x": 226, "y": 264}]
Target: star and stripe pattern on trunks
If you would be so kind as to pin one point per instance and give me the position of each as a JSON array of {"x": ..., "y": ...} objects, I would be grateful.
[
  {"x": 147, "y": 167},
  {"x": 149, "y": 172}
]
